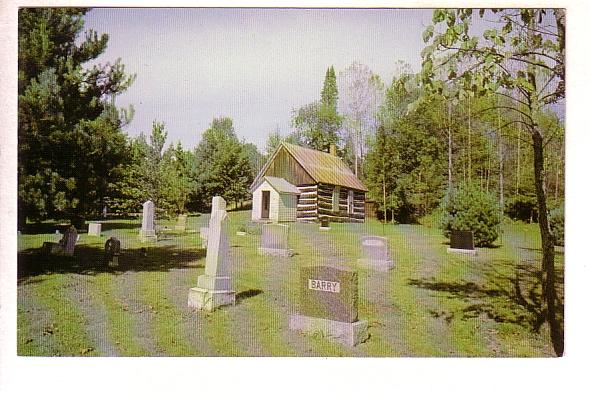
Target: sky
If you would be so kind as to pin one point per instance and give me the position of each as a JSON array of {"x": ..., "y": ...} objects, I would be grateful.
[{"x": 253, "y": 65}]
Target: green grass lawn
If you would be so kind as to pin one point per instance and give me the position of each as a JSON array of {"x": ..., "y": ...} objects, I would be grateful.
[{"x": 431, "y": 304}]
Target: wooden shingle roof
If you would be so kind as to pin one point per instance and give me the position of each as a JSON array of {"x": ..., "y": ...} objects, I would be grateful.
[{"x": 322, "y": 167}]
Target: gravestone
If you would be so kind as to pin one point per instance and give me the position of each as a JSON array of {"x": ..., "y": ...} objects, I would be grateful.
[
  {"x": 274, "y": 240},
  {"x": 112, "y": 250},
  {"x": 328, "y": 303},
  {"x": 57, "y": 236},
  {"x": 94, "y": 228},
  {"x": 214, "y": 288},
  {"x": 147, "y": 231},
  {"x": 462, "y": 242},
  {"x": 376, "y": 253},
  {"x": 181, "y": 223},
  {"x": 325, "y": 223},
  {"x": 204, "y": 234},
  {"x": 69, "y": 240},
  {"x": 65, "y": 246}
]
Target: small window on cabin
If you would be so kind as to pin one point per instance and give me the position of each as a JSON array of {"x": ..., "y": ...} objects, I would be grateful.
[{"x": 336, "y": 199}]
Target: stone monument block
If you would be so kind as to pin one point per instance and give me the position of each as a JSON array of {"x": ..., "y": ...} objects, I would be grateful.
[
  {"x": 214, "y": 288},
  {"x": 376, "y": 253},
  {"x": 180, "y": 223},
  {"x": 462, "y": 242},
  {"x": 325, "y": 223},
  {"x": 148, "y": 231},
  {"x": 274, "y": 240},
  {"x": 204, "y": 234},
  {"x": 94, "y": 228},
  {"x": 65, "y": 246},
  {"x": 329, "y": 303},
  {"x": 112, "y": 250}
]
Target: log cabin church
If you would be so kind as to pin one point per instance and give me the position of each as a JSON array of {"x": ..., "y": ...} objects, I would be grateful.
[{"x": 299, "y": 183}]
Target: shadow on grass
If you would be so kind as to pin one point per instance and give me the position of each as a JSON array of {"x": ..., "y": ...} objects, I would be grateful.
[
  {"x": 490, "y": 246},
  {"x": 247, "y": 294},
  {"x": 91, "y": 260},
  {"x": 513, "y": 297},
  {"x": 51, "y": 227}
]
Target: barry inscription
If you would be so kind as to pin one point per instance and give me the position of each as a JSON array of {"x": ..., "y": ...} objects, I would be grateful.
[
  {"x": 329, "y": 293},
  {"x": 322, "y": 285}
]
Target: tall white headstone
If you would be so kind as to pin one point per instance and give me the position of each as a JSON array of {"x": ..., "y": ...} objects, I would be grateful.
[
  {"x": 214, "y": 288},
  {"x": 147, "y": 231}
]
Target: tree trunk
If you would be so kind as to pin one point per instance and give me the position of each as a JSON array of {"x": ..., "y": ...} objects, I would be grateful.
[
  {"x": 518, "y": 161},
  {"x": 469, "y": 139},
  {"x": 547, "y": 242},
  {"x": 501, "y": 168},
  {"x": 447, "y": 124}
]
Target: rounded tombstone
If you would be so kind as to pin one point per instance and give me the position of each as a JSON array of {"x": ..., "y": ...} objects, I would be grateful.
[{"x": 112, "y": 246}]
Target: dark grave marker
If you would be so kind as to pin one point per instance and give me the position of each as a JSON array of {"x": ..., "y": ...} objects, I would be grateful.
[
  {"x": 462, "y": 242},
  {"x": 324, "y": 223},
  {"x": 112, "y": 250}
]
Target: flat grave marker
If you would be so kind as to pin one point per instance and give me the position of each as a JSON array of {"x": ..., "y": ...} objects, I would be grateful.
[
  {"x": 462, "y": 242},
  {"x": 376, "y": 253},
  {"x": 94, "y": 228},
  {"x": 274, "y": 240},
  {"x": 180, "y": 223}
]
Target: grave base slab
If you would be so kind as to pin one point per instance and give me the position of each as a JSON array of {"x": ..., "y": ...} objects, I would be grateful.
[
  {"x": 324, "y": 228},
  {"x": 50, "y": 248},
  {"x": 114, "y": 262},
  {"x": 347, "y": 333},
  {"x": 209, "y": 300},
  {"x": 375, "y": 264},
  {"x": 462, "y": 251},
  {"x": 147, "y": 236},
  {"x": 276, "y": 252}
]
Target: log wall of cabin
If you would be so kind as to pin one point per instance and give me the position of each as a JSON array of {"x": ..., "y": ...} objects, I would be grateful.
[
  {"x": 307, "y": 207},
  {"x": 325, "y": 204}
]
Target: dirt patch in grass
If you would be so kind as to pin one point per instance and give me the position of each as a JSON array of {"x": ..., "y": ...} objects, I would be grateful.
[
  {"x": 142, "y": 320},
  {"x": 94, "y": 311}
]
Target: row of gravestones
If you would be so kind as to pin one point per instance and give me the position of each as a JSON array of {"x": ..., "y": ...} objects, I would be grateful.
[
  {"x": 328, "y": 295},
  {"x": 274, "y": 241}
]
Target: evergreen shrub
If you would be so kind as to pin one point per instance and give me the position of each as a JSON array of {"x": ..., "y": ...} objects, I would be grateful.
[{"x": 469, "y": 208}]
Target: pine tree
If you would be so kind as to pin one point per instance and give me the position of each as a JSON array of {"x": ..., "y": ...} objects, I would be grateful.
[
  {"x": 330, "y": 89},
  {"x": 71, "y": 147}
]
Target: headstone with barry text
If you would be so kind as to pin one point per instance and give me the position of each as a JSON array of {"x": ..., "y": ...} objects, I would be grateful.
[
  {"x": 215, "y": 288},
  {"x": 274, "y": 240},
  {"x": 328, "y": 303}
]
